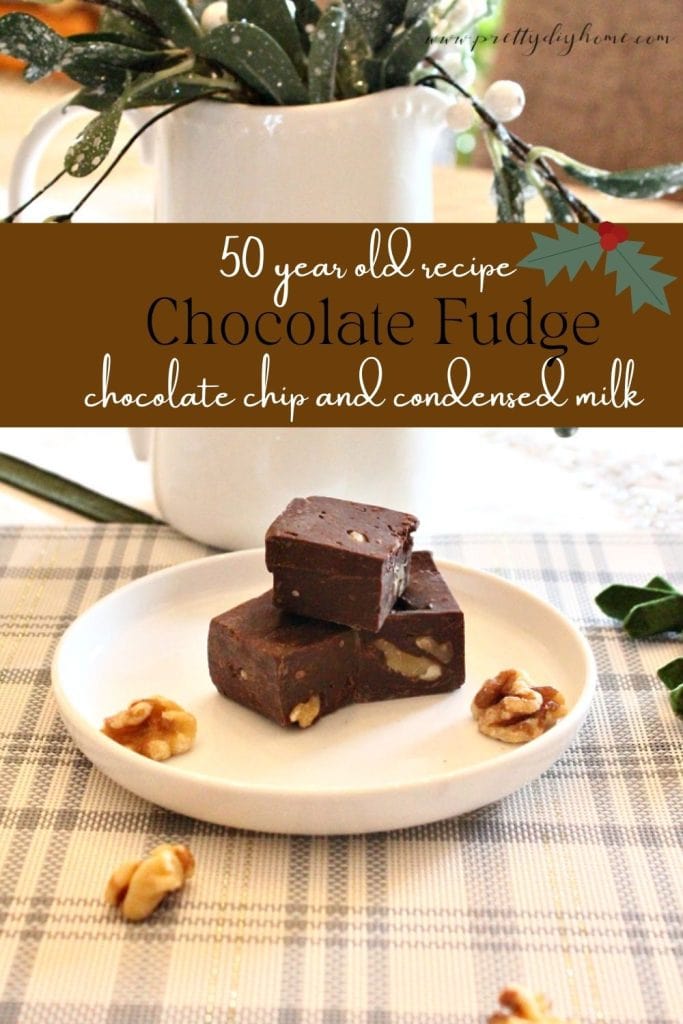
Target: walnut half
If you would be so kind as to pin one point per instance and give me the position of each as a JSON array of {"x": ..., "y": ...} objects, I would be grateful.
[
  {"x": 139, "y": 886},
  {"x": 305, "y": 714},
  {"x": 510, "y": 708},
  {"x": 155, "y": 727},
  {"x": 523, "y": 1005}
]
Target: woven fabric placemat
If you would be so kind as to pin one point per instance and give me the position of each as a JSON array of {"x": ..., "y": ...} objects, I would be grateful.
[{"x": 573, "y": 885}]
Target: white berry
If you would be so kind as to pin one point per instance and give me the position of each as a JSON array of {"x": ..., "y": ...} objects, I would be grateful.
[
  {"x": 460, "y": 116},
  {"x": 504, "y": 100},
  {"x": 214, "y": 15}
]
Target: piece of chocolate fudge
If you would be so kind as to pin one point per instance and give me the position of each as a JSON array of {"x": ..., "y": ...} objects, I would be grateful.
[
  {"x": 290, "y": 669},
  {"x": 339, "y": 561},
  {"x": 421, "y": 647}
]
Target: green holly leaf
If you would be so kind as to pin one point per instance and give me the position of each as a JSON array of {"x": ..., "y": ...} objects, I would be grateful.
[
  {"x": 633, "y": 270},
  {"x": 28, "y": 39},
  {"x": 570, "y": 251}
]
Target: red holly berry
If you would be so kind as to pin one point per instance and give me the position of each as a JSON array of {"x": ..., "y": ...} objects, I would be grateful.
[
  {"x": 609, "y": 242},
  {"x": 611, "y": 235}
]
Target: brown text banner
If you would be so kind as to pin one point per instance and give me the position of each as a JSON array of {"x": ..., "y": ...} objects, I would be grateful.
[{"x": 329, "y": 325}]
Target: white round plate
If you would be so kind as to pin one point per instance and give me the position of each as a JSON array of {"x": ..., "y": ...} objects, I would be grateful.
[{"x": 366, "y": 768}]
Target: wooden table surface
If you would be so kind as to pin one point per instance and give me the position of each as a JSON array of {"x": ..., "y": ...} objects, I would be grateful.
[{"x": 462, "y": 195}]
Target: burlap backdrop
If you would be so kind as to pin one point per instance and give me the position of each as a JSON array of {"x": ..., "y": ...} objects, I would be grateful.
[{"x": 613, "y": 106}]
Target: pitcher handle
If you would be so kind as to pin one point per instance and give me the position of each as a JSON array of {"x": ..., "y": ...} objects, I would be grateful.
[{"x": 22, "y": 182}]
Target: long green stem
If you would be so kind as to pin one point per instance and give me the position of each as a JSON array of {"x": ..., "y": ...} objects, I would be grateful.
[{"x": 53, "y": 181}]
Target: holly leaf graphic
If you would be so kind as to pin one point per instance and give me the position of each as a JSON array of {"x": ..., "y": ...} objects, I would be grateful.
[
  {"x": 569, "y": 251},
  {"x": 633, "y": 270}
]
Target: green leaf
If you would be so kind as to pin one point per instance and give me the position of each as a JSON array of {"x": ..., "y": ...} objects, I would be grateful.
[
  {"x": 569, "y": 251},
  {"x": 122, "y": 38},
  {"x": 676, "y": 700},
  {"x": 618, "y": 599},
  {"x": 352, "y": 61},
  {"x": 397, "y": 60},
  {"x": 28, "y": 39},
  {"x": 91, "y": 50},
  {"x": 638, "y": 183},
  {"x": 672, "y": 674},
  {"x": 662, "y": 616},
  {"x": 97, "y": 77},
  {"x": 175, "y": 20},
  {"x": 404, "y": 52},
  {"x": 274, "y": 18},
  {"x": 92, "y": 145},
  {"x": 137, "y": 32},
  {"x": 173, "y": 90},
  {"x": 58, "y": 490},
  {"x": 559, "y": 210},
  {"x": 509, "y": 184},
  {"x": 634, "y": 271},
  {"x": 659, "y": 583},
  {"x": 251, "y": 54},
  {"x": 378, "y": 18},
  {"x": 324, "y": 55},
  {"x": 96, "y": 98}
]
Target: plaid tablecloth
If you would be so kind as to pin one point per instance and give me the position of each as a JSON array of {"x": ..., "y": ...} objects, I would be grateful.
[{"x": 573, "y": 885}]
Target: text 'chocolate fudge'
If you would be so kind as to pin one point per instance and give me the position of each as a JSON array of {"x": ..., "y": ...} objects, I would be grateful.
[{"x": 340, "y": 561}]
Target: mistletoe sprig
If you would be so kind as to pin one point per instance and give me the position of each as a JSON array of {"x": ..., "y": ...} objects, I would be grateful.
[
  {"x": 169, "y": 53},
  {"x": 522, "y": 171}
]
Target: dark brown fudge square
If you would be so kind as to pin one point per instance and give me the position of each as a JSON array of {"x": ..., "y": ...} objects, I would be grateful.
[
  {"x": 274, "y": 663},
  {"x": 421, "y": 647},
  {"x": 339, "y": 561}
]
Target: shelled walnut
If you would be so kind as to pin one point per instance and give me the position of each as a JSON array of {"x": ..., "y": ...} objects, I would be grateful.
[
  {"x": 155, "y": 727},
  {"x": 521, "y": 1004},
  {"x": 510, "y": 708},
  {"x": 306, "y": 714},
  {"x": 139, "y": 886}
]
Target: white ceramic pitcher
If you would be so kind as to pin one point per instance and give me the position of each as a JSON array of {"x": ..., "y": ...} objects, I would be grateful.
[
  {"x": 367, "y": 159},
  {"x": 223, "y": 486}
]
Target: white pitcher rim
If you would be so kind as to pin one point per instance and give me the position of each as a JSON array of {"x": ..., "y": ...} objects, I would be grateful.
[{"x": 318, "y": 109}]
